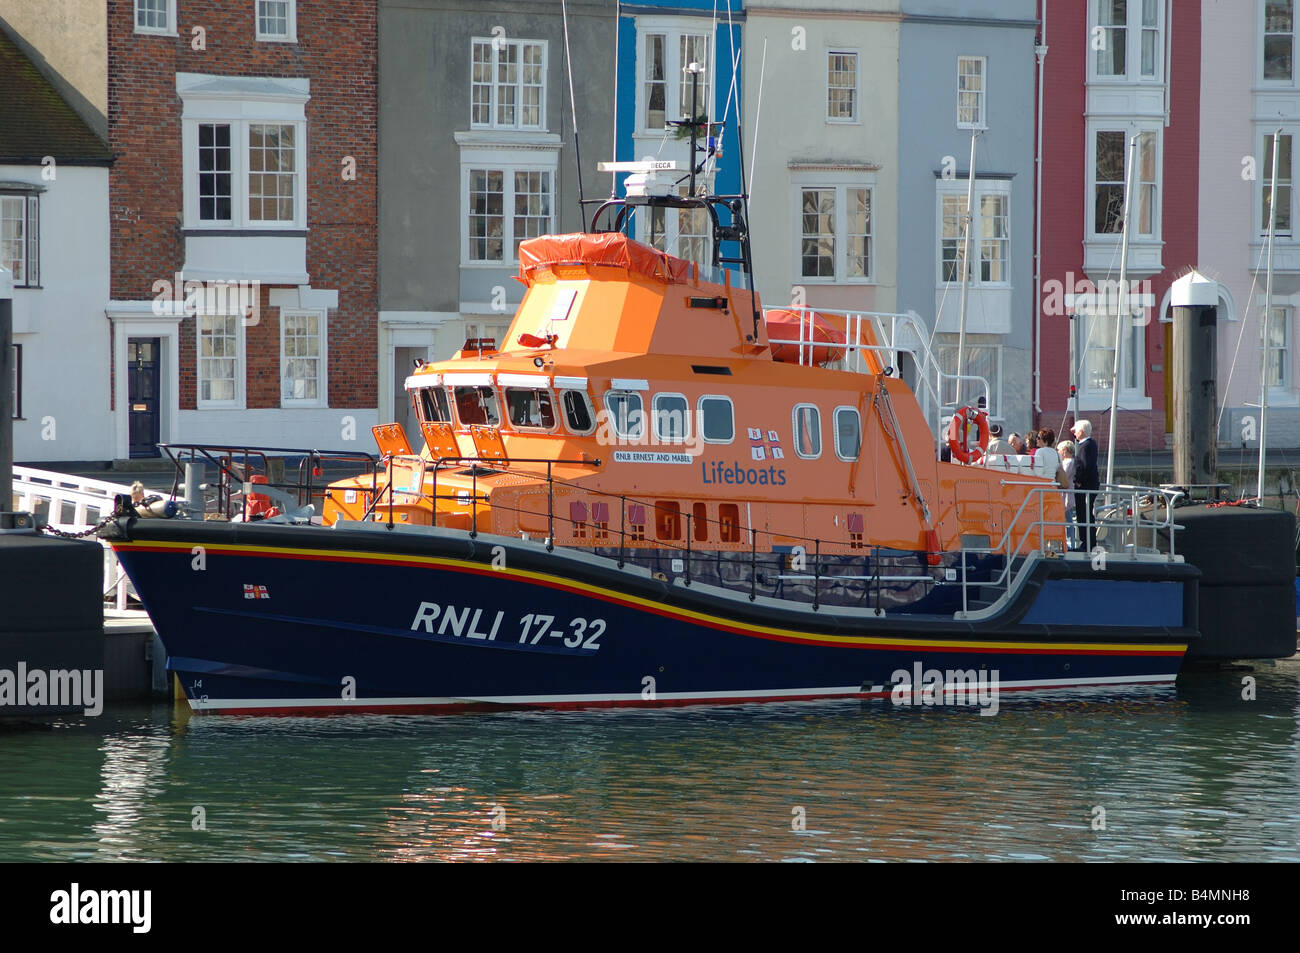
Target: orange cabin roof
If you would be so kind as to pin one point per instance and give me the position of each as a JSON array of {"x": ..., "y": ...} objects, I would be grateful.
[{"x": 605, "y": 248}]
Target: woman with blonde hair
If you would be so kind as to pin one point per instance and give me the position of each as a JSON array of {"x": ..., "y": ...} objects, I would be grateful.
[{"x": 1066, "y": 449}]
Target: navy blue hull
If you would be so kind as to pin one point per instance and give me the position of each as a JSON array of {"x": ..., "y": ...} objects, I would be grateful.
[{"x": 284, "y": 619}]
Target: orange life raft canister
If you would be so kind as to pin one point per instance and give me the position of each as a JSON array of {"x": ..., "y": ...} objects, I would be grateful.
[{"x": 809, "y": 326}]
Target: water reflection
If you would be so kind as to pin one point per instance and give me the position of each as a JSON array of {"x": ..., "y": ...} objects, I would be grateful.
[{"x": 1192, "y": 772}]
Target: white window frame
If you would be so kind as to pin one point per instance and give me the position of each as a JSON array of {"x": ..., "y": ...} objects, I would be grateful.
[
  {"x": 508, "y": 170},
  {"x": 1155, "y": 127},
  {"x": 835, "y": 430},
  {"x": 497, "y": 44},
  {"x": 984, "y": 188},
  {"x": 1130, "y": 398},
  {"x": 241, "y": 102},
  {"x": 1259, "y": 36},
  {"x": 564, "y": 414},
  {"x": 614, "y": 418},
  {"x": 1263, "y": 176},
  {"x": 673, "y": 29},
  {"x": 841, "y": 187},
  {"x": 794, "y": 431},
  {"x": 168, "y": 30},
  {"x": 981, "y": 94},
  {"x": 1282, "y": 388},
  {"x": 699, "y": 416},
  {"x": 686, "y": 418},
  {"x": 853, "y": 119},
  {"x": 241, "y": 368},
  {"x": 291, "y": 25},
  {"x": 29, "y": 202},
  {"x": 322, "y": 376},
  {"x": 1133, "y": 30}
]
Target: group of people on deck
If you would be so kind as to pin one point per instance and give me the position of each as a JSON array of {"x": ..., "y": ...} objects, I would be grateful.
[{"x": 1078, "y": 458}]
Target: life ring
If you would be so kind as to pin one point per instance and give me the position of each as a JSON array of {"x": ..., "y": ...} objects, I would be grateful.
[{"x": 957, "y": 434}]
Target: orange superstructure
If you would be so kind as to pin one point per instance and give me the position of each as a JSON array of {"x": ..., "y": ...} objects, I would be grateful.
[{"x": 636, "y": 399}]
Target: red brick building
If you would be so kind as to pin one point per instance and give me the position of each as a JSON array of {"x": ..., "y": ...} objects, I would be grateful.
[
  {"x": 1115, "y": 70},
  {"x": 243, "y": 222}
]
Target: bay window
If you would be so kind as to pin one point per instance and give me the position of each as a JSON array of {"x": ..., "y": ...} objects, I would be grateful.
[
  {"x": 664, "y": 53},
  {"x": 835, "y": 232},
  {"x": 1126, "y": 40},
  {"x": 20, "y": 247},
  {"x": 505, "y": 206}
]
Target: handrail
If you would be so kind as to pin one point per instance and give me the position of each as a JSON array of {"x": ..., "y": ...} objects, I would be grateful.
[{"x": 891, "y": 345}]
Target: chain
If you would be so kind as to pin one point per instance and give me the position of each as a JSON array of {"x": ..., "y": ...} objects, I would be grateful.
[{"x": 63, "y": 534}]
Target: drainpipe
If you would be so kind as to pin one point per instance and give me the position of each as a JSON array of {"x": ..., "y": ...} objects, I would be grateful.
[
  {"x": 6, "y": 376},
  {"x": 1040, "y": 52}
]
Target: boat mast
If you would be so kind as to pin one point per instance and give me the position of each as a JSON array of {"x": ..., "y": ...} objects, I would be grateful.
[
  {"x": 965, "y": 270},
  {"x": 1268, "y": 318},
  {"x": 1121, "y": 310}
]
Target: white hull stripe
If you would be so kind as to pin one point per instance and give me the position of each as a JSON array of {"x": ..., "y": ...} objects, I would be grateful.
[{"x": 234, "y": 704}]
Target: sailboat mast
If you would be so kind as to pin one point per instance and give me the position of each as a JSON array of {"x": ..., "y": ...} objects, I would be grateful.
[
  {"x": 1121, "y": 310},
  {"x": 1268, "y": 318},
  {"x": 965, "y": 268}
]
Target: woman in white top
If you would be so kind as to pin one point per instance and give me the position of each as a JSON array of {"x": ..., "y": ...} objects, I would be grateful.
[{"x": 1066, "y": 449}]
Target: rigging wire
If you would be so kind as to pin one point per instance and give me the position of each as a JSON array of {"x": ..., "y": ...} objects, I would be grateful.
[{"x": 573, "y": 108}]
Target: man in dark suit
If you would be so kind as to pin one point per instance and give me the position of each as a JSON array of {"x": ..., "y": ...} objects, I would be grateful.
[{"x": 1086, "y": 477}]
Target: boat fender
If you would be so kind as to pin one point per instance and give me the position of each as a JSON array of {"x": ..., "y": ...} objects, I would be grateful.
[
  {"x": 957, "y": 434},
  {"x": 156, "y": 507},
  {"x": 933, "y": 551}
]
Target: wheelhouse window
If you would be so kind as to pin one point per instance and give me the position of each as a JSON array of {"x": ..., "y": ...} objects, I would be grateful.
[
  {"x": 508, "y": 84},
  {"x": 431, "y": 405},
  {"x": 476, "y": 405},
  {"x": 717, "y": 420},
  {"x": 670, "y": 418},
  {"x": 530, "y": 408},
  {"x": 577, "y": 412},
  {"x": 807, "y": 431},
  {"x": 626, "y": 414},
  {"x": 20, "y": 247},
  {"x": 848, "y": 433}
]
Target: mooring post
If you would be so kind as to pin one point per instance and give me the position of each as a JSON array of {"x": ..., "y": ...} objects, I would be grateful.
[{"x": 1195, "y": 300}]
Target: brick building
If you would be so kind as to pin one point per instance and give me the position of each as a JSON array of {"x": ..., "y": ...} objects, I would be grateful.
[
  {"x": 243, "y": 207},
  {"x": 1114, "y": 71}
]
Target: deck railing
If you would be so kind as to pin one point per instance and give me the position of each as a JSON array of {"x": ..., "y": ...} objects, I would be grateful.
[
  {"x": 887, "y": 334},
  {"x": 73, "y": 504}
]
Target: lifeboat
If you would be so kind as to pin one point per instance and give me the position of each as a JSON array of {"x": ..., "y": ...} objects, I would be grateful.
[{"x": 653, "y": 492}]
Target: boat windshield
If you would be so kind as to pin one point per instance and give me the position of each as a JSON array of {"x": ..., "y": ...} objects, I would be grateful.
[
  {"x": 530, "y": 407},
  {"x": 477, "y": 404}
]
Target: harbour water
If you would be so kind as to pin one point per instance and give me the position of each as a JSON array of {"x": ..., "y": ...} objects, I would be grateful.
[{"x": 1192, "y": 772}]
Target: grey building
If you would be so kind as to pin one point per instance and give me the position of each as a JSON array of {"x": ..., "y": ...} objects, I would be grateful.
[
  {"x": 964, "y": 67},
  {"x": 476, "y": 154}
]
